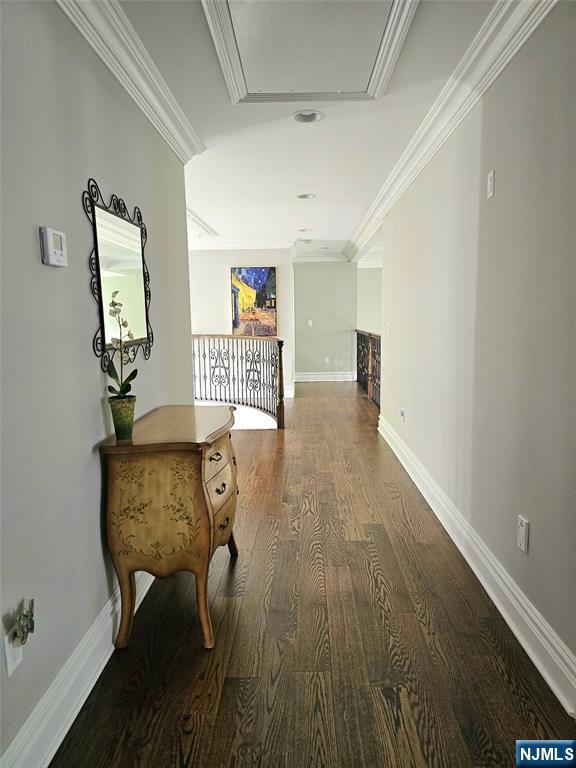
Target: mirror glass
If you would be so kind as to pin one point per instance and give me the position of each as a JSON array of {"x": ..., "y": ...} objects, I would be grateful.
[{"x": 121, "y": 269}]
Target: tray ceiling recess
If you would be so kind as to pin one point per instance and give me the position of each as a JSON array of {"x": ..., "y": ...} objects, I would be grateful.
[{"x": 310, "y": 50}]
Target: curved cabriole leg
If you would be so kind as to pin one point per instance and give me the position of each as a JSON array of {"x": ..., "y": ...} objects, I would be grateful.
[
  {"x": 128, "y": 597},
  {"x": 203, "y": 613},
  {"x": 232, "y": 546}
]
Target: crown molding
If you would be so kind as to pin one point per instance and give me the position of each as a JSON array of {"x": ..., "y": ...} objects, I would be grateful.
[
  {"x": 313, "y": 252},
  {"x": 110, "y": 33},
  {"x": 374, "y": 262},
  {"x": 296, "y": 96},
  {"x": 506, "y": 29},
  {"x": 220, "y": 243},
  {"x": 202, "y": 228},
  {"x": 124, "y": 235},
  {"x": 216, "y": 242},
  {"x": 397, "y": 26},
  {"x": 220, "y": 22},
  {"x": 316, "y": 258},
  {"x": 371, "y": 257}
]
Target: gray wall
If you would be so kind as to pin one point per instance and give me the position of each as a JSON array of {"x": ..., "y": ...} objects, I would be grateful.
[
  {"x": 210, "y": 295},
  {"x": 65, "y": 118},
  {"x": 481, "y": 300},
  {"x": 325, "y": 293},
  {"x": 369, "y": 300}
]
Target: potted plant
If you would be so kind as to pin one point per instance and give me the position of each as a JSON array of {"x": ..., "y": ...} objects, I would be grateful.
[{"x": 121, "y": 403}]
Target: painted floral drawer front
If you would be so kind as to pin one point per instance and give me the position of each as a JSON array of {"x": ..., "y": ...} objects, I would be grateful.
[
  {"x": 224, "y": 522},
  {"x": 221, "y": 487},
  {"x": 156, "y": 507},
  {"x": 217, "y": 457}
]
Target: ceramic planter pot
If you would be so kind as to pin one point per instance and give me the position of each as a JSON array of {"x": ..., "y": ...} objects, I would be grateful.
[{"x": 123, "y": 415}]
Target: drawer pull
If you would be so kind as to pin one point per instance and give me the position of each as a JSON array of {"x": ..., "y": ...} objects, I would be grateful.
[
  {"x": 221, "y": 490},
  {"x": 216, "y": 456},
  {"x": 225, "y": 524}
]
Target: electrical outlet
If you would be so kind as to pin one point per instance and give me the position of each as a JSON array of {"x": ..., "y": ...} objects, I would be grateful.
[
  {"x": 326, "y": 360},
  {"x": 309, "y": 323},
  {"x": 522, "y": 532},
  {"x": 388, "y": 328},
  {"x": 12, "y": 651}
]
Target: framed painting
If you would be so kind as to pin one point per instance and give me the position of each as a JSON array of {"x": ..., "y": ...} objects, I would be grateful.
[{"x": 253, "y": 301}]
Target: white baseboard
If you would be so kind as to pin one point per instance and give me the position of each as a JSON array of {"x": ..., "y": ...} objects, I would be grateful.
[
  {"x": 43, "y": 732},
  {"x": 551, "y": 656},
  {"x": 325, "y": 376}
]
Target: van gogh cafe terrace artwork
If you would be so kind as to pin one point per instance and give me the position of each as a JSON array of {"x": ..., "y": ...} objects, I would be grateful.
[{"x": 254, "y": 301}]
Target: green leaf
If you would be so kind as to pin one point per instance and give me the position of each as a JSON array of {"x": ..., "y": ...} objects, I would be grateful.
[
  {"x": 111, "y": 371},
  {"x": 113, "y": 390},
  {"x": 125, "y": 388},
  {"x": 131, "y": 376}
]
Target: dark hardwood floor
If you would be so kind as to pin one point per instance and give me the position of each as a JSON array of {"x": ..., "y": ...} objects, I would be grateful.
[{"x": 350, "y": 632}]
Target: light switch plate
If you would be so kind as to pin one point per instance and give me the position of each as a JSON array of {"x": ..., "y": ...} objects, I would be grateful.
[{"x": 522, "y": 532}]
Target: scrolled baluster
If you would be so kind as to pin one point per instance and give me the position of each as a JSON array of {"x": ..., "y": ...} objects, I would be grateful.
[
  {"x": 270, "y": 392},
  {"x": 280, "y": 385},
  {"x": 266, "y": 375}
]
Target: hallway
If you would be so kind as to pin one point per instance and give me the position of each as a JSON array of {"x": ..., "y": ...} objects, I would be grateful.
[{"x": 350, "y": 632}]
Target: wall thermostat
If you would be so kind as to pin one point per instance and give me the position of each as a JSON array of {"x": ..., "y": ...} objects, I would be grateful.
[{"x": 53, "y": 247}]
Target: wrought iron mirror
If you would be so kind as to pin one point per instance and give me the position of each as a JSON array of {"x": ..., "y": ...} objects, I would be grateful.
[{"x": 117, "y": 264}]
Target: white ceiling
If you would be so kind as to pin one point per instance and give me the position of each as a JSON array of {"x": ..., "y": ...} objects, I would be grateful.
[{"x": 258, "y": 159}]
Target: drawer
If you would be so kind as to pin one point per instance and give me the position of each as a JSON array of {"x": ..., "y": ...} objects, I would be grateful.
[
  {"x": 223, "y": 523},
  {"x": 216, "y": 457},
  {"x": 221, "y": 487}
]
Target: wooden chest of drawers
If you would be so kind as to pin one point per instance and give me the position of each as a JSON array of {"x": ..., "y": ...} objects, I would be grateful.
[{"x": 171, "y": 500}]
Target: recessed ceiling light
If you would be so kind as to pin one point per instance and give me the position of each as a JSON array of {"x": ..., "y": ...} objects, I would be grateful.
[
  {"x": 308, "y": 116},
  {"x": 326, "y": 247},
  {"x": 306, "y": 196},
  {"x": 304, "y": 230}
]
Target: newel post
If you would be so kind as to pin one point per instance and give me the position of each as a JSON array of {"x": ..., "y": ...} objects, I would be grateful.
[{"x": 280, "y": 405}]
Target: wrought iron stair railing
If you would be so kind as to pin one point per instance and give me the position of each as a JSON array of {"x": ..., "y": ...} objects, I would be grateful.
[
  {"x": 245, "y": 370},
  {"x": 368, "y": 364}
]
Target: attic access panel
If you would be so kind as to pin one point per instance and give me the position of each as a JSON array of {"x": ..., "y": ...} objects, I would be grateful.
[{"x": 308, "y": 50}]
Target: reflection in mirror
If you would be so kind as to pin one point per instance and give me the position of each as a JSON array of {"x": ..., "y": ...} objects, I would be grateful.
[
  {"x": 121, "y": 269},
  {"x": 117, "y": 263}
]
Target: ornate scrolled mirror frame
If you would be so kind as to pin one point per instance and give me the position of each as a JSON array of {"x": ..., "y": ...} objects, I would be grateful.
[{"x": 92, "y": 200}]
